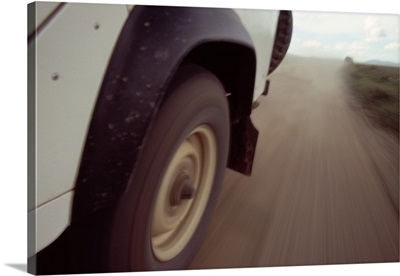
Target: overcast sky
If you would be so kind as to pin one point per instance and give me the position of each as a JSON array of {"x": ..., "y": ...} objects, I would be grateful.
[{"x": 337, "y": 35}]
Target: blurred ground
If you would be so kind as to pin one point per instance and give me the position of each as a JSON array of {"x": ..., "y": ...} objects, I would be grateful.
[{"x": 324, "y": 187}]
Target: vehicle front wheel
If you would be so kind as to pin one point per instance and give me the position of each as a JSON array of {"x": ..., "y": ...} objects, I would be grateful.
[{"x": 161, "y": 219}]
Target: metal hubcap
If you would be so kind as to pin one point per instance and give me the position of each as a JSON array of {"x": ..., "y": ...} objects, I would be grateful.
[
  {"x": 183, "y": 194},
  {"x": 181, "y": 189}
]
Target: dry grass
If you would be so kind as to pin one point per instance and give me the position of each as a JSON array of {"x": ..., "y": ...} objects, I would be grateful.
[{"x": 377, "y": 90}]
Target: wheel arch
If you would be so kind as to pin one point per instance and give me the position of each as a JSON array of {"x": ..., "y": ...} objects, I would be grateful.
[
  {"x": 235, "y": 66},
  {"x": 136, "y": 81}
]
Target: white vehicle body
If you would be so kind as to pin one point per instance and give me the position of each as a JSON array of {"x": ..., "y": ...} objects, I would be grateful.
[
  {"x": 72, "y": 51},
  {"x": 63, "y": 107}
]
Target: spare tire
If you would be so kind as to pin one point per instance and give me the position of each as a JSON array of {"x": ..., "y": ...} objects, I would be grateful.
[{"x": 282, "y": 39}]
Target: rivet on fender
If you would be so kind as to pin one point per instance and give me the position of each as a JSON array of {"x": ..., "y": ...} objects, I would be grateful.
[{"x": 55, "y": 76}]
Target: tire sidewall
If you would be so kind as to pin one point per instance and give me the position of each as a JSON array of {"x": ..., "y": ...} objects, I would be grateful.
[{"x": 188, "y": 106}]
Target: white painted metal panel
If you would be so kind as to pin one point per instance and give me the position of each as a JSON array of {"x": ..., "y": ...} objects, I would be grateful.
[
  {"x": 72, "y": 55},
  {"x": 46, "y": 8},
  {"x": 50, "y": 220},
  {"x": 261, "y": 25}
]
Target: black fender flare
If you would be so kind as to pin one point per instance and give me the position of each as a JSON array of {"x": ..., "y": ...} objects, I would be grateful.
[{"x": 152, "y": 45}]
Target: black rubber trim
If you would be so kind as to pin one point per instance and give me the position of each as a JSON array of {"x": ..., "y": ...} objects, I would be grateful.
[{"x": 152, "y": 45}]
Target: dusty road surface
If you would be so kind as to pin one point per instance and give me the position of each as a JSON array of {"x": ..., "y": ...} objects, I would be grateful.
[{"x": 324, "y": 188}]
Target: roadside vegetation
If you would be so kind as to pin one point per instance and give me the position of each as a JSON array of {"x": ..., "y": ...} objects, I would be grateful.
[{"x": 377, "y": 90}]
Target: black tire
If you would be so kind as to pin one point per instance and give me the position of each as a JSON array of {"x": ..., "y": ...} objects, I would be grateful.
[
  {"x": 196, "y": 102},
  {"x": 282, "y": 39}
]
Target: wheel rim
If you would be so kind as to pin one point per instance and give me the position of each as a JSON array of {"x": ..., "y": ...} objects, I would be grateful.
[{"x": 184, "y": 192}]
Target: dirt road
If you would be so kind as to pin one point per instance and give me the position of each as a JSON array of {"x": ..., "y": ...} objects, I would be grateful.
[{"x": 324, "y": 188}]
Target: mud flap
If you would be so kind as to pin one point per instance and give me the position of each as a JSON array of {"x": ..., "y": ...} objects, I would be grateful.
[{"x": 243, "y": 146}]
